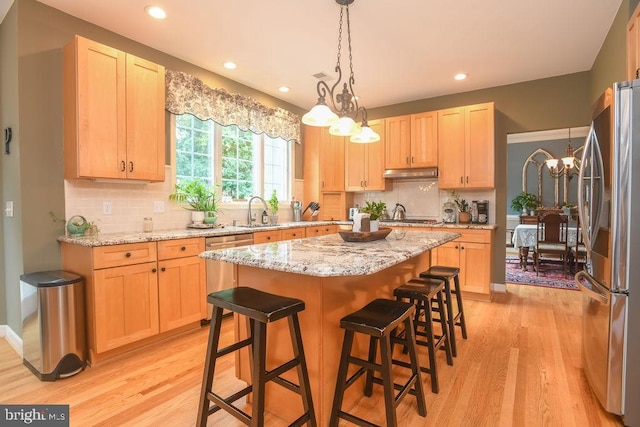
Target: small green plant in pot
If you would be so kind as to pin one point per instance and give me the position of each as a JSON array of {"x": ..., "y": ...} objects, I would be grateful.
[
  {"x": 464, "y": 216},
  {"x": 273, "y": 207},
  {"x": 375, "y": 211},
  {"x": 197, "y": 196}
]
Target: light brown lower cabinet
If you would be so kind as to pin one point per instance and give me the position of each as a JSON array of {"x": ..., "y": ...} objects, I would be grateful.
[
  {"x": 181, "y": 283},
  {"x": 472, "y": 254},
  {"x": 135, "y": 292}
]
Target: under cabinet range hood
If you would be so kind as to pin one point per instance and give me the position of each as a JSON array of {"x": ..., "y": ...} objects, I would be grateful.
[{"x": 412, "y": 173}]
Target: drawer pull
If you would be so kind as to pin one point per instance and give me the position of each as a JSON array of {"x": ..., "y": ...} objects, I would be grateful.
[
  {"x": 268, "y": 237},
  {"x": 128, "y": 255},
  {"x": 183, "y": 248}
]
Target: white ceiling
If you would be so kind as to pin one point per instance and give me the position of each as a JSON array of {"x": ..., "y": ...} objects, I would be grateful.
[{"x": 403, "y": 50}]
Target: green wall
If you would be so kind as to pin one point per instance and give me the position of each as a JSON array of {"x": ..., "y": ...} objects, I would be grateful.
[{"x": 31, "y": 39}]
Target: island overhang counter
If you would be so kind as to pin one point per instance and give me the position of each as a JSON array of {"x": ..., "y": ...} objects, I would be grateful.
[{"x": 333, "y": 278}]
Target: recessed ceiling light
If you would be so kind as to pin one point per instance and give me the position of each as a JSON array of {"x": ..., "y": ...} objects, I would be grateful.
[
  {"x": 461, "y": 76},
  {"x": 155, "y": 12},
  {"x": 230, "y": 65},
  {"x": 284, "y": 89}
]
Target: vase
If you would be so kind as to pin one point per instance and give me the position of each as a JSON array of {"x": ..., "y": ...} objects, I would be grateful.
[
  {"x": 374, "y": 225},
  {"x": 464, "y": 217},
  {"x": 210, "y": 218},
  {"x": 197, "y": 217},
  {"x": 273, "y": 219}
]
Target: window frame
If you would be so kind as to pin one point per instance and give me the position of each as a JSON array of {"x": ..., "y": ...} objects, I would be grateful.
[{"x": 217, "y": 159}]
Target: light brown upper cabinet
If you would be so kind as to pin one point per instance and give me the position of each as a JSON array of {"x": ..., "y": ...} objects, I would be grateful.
[
  {"x": 411, "y": 141},
  {"x": 331, "y": 161},
  {"x": 365, "y": 162},
  {"x": 633, "y": 44},
  {"x": 466, "y": 147},
  {"x": 114, "y": 125}
]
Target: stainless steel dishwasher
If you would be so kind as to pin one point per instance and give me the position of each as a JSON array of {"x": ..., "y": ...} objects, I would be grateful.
[{"x": 220, "y": 273}]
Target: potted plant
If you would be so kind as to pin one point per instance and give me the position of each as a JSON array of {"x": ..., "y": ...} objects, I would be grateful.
[
  {"x": 198, "y": 196},
  {"x": 375, "y": 211},
  {"x": 524, "y": 202},
  {"x": 273, "y": 207},
  {"x": 568, "y": 209},
  {"x": 464, "y": 216}
]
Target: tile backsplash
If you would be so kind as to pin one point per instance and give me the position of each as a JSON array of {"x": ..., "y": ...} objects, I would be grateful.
[
  {"x": 423, "y": 199},
  {"x": 131, "y": 203}
]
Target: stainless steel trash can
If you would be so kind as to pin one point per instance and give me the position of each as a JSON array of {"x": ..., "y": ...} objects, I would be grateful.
[{"x": 53, "y": 324}]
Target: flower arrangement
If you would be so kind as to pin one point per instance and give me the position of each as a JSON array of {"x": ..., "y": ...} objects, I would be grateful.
[{"x": 524, "y": 202}]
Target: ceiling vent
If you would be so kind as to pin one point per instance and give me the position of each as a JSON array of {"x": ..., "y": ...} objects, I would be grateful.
[{"x": 323, "y": 76}]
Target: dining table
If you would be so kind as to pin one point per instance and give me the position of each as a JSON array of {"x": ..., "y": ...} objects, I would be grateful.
[{"x": 525, "y": 236}]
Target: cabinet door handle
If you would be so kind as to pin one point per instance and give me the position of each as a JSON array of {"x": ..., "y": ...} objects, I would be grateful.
[
  {"x": 153, "y": 270},
  {"x": 456, "y": 247},
  {"x": 365, "y": 184},
  {"x": 408, "y": 160},
  {"x": 462, "y": 248},
  {"x": 361, "y": 183},
  {"x": 163, "y": 269},
  {"x": 122, "y": 166},
  {"x": 128, "y": 255},
  {"x": 183, "y": 248},
  {"x": 467, "y": 179},
  {"x": 461, "y": 180},
  {"x": 130, "y": 166},
  {"x": 412, "y": 160}
]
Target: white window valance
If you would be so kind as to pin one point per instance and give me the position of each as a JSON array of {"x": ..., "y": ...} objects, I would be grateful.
[{"x": 187, "y": 94}]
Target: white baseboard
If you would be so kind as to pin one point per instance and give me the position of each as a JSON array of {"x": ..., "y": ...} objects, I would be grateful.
[
  {"x": 12, "y": 338},
  {"x": 499, "y": 287}
]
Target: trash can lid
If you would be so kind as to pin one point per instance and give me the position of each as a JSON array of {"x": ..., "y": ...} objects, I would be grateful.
[{"x": 43, "y": 279}]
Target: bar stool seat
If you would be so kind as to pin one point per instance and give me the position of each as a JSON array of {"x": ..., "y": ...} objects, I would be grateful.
[
  {"x": 449, "y": 274},
  {"x": 427, "y": 295},
  {"x": 378, "y": 320},
  {"x": 260, "y": 308}
]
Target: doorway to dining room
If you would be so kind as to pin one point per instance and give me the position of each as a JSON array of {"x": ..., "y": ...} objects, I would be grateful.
[{"x": 527, "y": 172}]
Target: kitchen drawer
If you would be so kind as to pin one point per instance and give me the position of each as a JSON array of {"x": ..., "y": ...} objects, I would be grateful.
[
  {"x": 321, "y": 230},
  {"x": 469, "y": 235},
  {"x": 180, "y": 248},
  {"x": 266, "y": 236},
  {"x": 121, "y": 255},
  {"x": 293, "y": 233}
]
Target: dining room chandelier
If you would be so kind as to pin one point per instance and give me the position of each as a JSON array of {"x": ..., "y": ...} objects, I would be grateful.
[
  {"x": 564, "y": 166},
  {"x": 345, "y": 103}
]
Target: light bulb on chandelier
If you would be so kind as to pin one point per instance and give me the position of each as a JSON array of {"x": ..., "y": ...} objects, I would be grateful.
[{"x": 346, "y": 102}]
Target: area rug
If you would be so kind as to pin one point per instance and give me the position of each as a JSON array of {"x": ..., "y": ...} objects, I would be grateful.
[{"x": 550, "y": 279}]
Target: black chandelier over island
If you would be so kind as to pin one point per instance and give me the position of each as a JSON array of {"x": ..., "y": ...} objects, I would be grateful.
[{"x": 344, "y": 103}]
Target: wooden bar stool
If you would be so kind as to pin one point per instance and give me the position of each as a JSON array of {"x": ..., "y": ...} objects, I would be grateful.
[
  {"x": 260, "y": 308},
  {"x": 427, "y": 295},
  {"x": 447, "y": 274},
  {"x": 378, "y": 320}
]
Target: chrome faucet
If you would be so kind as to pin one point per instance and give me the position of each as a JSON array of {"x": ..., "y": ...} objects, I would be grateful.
[{"x": 250, "y": 219}]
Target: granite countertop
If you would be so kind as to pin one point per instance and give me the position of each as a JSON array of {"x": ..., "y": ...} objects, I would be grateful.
[
  {"x": 326, "y": 256},
  {"x": 155, "y": 236}
]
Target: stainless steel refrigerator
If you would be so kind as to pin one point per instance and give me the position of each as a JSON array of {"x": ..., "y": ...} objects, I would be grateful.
[{"x": 609, "y": 211}]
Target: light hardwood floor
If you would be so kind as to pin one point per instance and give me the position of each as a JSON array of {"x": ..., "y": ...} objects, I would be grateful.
[{"x": 521, "y": 366}]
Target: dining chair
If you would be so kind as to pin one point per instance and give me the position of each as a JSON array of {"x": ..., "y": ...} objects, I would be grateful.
[
  {"x": 579, "y": 250},
  {"x": 551, "y": 240}
]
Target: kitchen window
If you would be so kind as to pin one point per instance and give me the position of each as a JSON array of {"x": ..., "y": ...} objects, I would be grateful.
[{"x": 241, "y": 163}]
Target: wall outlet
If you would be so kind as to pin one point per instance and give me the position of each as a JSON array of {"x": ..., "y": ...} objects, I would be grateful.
[
  {"x": 158, "y": 207},
  {"x": 8, "y": 210},
  {"x": 106, "y": 208}
]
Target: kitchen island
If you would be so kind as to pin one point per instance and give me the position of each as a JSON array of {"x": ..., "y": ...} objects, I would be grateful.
[{"x": 333, "y": 278}]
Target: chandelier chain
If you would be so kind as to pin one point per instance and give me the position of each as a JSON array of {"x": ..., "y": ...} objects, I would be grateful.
[
  {"x": 349, "y": 44},
  {"x": 339, "y": 38}
]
